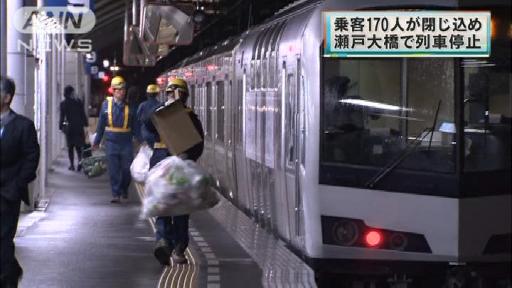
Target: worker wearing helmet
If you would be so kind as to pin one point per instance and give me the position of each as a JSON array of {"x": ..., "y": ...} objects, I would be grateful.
[
  {"x": 144, "y": 111},
  {"x": 117, "y": 123},
  {"x": 172, "y": 232}
]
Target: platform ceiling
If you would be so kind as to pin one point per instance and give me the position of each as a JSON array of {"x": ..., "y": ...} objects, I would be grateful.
[{"x": 225, "y": 18}]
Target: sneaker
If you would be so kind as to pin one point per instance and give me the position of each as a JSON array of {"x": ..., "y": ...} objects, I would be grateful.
[
  {"x": 179, "y": 258},
  {"x": 79, "y": 167},
  {"x": 115, "y": 199},
  {"x": 162, "y": 252},
  {"x": 71, "y": 168}
]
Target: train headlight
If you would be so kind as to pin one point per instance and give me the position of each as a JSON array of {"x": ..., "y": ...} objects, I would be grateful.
[
  {"x": 397, "y": 241},
  {"x": 345, "y": 232}
]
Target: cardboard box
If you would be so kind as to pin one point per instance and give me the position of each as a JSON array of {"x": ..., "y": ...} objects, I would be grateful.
[{"x": 175, "y": 127}]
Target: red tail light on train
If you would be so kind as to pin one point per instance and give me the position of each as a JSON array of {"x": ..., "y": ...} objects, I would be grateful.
[{"x": 373, "y": 238}]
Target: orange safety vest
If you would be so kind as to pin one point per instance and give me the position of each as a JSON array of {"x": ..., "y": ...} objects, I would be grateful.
[{"x": 110, "y": 126}]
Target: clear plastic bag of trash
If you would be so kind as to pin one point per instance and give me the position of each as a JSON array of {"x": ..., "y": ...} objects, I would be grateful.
[
  {"x": 140, "y": 165},
  {"x": 94, "y": 163},
  {"x": 177, "y": 187}
]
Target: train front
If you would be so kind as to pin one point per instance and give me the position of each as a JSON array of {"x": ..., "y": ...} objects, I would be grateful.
[{"x": 414, "y": 169}]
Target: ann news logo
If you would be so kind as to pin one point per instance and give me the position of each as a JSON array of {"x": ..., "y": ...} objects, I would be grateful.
[{"x": 57, "y": 17}]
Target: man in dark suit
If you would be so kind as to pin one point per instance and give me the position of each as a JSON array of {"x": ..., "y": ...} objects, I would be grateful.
[{"x": 19, "y": 158}]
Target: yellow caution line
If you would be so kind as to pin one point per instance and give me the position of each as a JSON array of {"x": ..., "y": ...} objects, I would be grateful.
[
  {"x": 178, "y": 268},
  {"x": 181, "y": 268},
  {"x": 163, "y": 275},
  {"x": 191, "y": 282},
  {"x": 168, "y": 270}
]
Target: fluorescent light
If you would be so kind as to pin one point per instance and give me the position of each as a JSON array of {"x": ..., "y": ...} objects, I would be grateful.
[
  {"x": 472, "y": 130},
  {"x": 377, "y": 105}
]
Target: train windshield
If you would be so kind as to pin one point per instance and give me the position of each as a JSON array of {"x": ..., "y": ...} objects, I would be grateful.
[
  {"x": 374, "y": 110},
  {"x": 385, "y": 119}
]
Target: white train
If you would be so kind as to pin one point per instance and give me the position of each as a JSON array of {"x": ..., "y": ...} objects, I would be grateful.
[{"x": 384, "y": 167}]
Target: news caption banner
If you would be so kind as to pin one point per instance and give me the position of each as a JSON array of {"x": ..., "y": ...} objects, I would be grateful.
[{"x": 407, "y": 33}]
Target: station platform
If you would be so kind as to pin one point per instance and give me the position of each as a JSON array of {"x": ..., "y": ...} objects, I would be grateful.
[{"x": 82, "y": 240}]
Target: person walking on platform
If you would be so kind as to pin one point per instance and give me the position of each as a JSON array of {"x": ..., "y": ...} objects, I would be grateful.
[
  {"x": 172, "y": 232},
  {"x": 19, "y": 158},
  {"x": 72, "y": 123},
  {"x": 144, "y": 111},
  {"x": 117, "y": 122}
]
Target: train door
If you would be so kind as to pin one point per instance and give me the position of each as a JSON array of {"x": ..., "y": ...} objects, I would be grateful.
[
  {"x": 220, "y": 149},
  {"x": 291, "y": 151},
  {"x": 239, "y": 103},
  {"x": 229, "y": 133}
]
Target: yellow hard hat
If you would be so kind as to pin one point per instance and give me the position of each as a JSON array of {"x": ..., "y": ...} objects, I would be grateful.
[
  {"x": 176, "y": 83},
  {"x": 152, "y": 88},
  {"x": 118, "y": 82}
]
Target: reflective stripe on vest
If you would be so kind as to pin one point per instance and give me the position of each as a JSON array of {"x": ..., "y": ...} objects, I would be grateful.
[
  {"x": 159, "y": 145},
  {"x": 110, "y": 126}
]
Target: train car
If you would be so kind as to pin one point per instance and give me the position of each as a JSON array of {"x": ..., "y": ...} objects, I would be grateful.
[{"x": 394, "y": 169}]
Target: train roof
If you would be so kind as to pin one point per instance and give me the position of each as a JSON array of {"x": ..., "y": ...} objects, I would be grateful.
[
  {"x": 224, "y": 46},
  {"x": 230, "y": 43}
]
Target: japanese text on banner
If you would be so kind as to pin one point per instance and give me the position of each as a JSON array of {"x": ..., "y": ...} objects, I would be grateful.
[{"x": 407, "y": 34}]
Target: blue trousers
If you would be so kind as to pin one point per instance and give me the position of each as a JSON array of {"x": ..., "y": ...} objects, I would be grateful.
[
  {"x": 10, "y": 269},
  {"x": 119, "y": 159},
  {"x": 173, "y": 229}
]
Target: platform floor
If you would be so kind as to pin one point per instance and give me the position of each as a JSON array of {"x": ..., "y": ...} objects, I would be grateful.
[{"x": 82, "y": 240}]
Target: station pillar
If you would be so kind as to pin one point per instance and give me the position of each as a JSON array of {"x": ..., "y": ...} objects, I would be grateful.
[
  {"x": 3, "y": 37},
  {"x": 17, "y": 61}
]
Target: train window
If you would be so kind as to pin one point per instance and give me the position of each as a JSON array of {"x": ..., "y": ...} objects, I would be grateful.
[
  {"x": 388, "y": 115},
  {"x": 302, "y": 120},
  {"x": 227, "y": 62},
  {"x": 239, "y": 116},
  {"x": 199, "y": 103},
  {"x": 290, "y": 120},
  {"x": 265, "y": 53},
  {"x": 262, "y": 56},
  {"x": 255, "y": 63},
  {"x": 208, "y": 109},
  {"x": 252, "y": 75},
  {"x": 264, "y": 69},
  {"x": 488, "y": 106},
  {"x": 220, "y": 111},
  {"x": 219, "y": 62},
  {"x": 272, "y": 70},
  {"x": 258, "y": 74},
  {"x": 274, "y": 44},
  {"x": 192, "y": 97}
]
